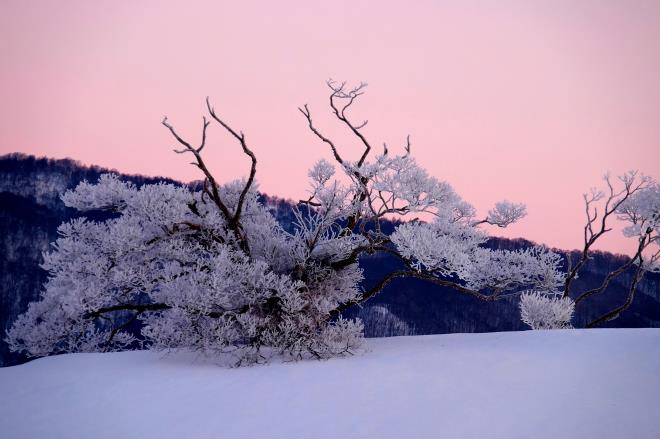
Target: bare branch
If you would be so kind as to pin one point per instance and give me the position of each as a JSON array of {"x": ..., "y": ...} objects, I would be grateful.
[
  {"x": 417, "y": 275},
  {"x": 206, "y": 124},
  {"x": 305, "y": 111},
  {"x": 177, "y": 137},
  {"x": 614, "y": 274},
  {"x": 616, "y": 312},
  {"x": 127, "y": 307},
  {"x": 309, "y": 202},
  {"x": 407, "y": 146},
  {"x": 253, "y": 168},
  {"x": 338, "y": 92},
  {"x": 362, "y": 125},
  {"x": 215, "y": 195},
  {"x": 211, "y": 187}
]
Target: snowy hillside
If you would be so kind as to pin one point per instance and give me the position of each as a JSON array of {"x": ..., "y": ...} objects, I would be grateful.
[{"x": 559, "y": 384}]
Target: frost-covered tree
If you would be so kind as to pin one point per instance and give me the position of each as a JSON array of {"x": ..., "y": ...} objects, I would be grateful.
[
  {"x": 211, "y": 270},
  {"x": 633, "y": 199}
]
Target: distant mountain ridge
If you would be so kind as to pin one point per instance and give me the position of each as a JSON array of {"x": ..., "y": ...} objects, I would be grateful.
[{"x": 31, "y": 210}]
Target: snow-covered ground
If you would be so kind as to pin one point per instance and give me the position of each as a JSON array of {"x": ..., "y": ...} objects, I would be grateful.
[{"x": 545, "y": 384}]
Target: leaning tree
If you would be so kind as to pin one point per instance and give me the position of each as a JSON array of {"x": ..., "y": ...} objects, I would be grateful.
[
  {"x": 633, "y": 199},
  {"x": 209, "y": 269}
]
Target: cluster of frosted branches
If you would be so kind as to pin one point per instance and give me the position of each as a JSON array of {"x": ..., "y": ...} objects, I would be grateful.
[
  {"x": 213, "y": 271},
  {"x": 541, "y": 311},
  {"x": 169, "y": 260},
  {"x": 440, "y": 239}
]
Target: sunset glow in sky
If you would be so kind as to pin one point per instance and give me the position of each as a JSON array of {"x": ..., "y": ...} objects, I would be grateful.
[{"x": 531, "y": 101}]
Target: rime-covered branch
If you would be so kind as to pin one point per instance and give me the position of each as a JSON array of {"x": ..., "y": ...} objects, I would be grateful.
[{"x": 450, "y": 246}]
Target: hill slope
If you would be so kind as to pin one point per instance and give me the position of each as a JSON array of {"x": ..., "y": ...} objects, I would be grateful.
[{"x": 543, "y": 384}]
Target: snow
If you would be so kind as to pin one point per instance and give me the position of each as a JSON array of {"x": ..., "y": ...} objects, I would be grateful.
[{"x": 534, "y": 384}]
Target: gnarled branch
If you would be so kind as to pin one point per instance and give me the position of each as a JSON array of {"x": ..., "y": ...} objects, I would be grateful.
[
  {"x": 614, "y": 201},
  {"x": 211, "y": 187}
]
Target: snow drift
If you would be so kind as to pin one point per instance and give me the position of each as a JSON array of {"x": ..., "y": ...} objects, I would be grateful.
[{"x": 540, "y": 384}]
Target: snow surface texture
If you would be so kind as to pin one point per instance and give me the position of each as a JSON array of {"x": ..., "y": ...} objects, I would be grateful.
[{"x": 536, "y": 384}]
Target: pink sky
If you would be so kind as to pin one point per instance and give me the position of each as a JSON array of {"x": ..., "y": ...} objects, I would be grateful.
[{"x": 531, "y": 101}]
